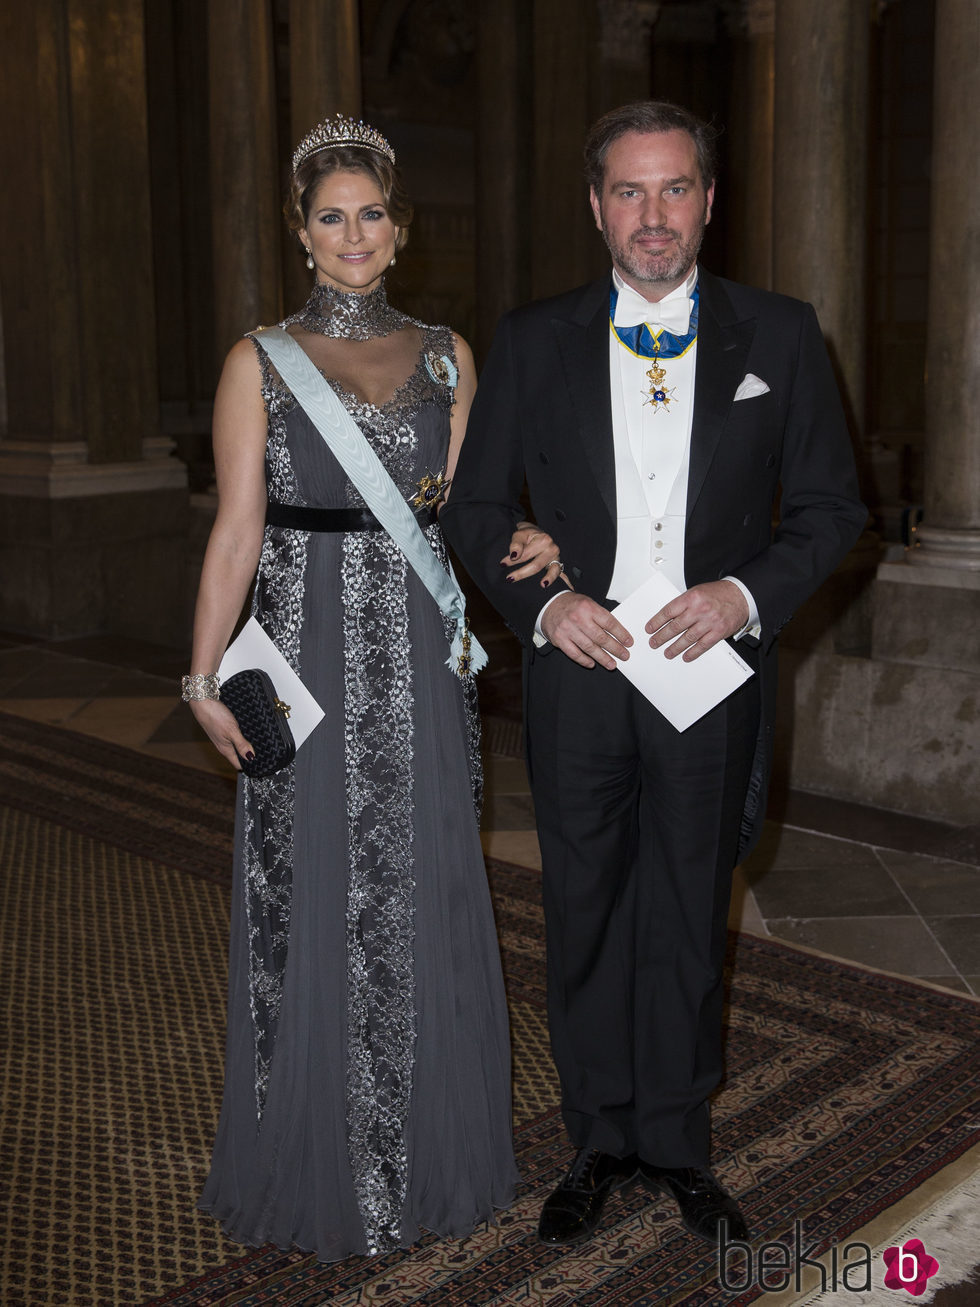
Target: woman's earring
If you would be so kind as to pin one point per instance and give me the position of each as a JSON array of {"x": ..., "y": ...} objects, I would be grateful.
[
  {"x": 309, "y": 259},
  {"x": 393, "y": 262}
]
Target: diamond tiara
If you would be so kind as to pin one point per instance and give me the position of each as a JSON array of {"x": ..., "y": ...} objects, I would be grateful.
[{"x": 341, "y": 131}]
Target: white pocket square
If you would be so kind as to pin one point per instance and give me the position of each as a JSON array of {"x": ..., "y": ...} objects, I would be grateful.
[{"x": 750, "y": 386}]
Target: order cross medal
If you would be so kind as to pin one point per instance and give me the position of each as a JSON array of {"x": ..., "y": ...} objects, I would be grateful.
[{"x": 658, "y": 395}]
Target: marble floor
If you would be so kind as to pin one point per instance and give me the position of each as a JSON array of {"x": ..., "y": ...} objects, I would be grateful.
[{"x": 889, "y": 892}]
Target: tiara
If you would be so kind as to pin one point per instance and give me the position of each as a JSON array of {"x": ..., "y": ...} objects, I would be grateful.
[{"x": 341, "y": 131}]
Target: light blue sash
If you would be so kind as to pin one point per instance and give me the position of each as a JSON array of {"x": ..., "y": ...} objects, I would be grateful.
[{"x": 367, "y": 473}]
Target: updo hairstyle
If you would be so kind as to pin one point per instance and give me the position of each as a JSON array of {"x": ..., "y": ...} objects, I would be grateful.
[{"x": 345, "y": 158}]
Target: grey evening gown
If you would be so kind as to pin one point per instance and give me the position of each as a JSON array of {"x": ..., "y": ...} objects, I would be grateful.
[{"x": 367, "y": 1080}]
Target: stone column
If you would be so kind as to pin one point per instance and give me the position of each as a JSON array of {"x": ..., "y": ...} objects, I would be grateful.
[
  {"x": 324, "y": 79},
  {"x": 180, "y": 191},
  {"x": 78, "y": 284},
  {"x": 750, "y": 135},
  {"x": 324, "y": 62},
  {"x": 503, "y": 164},
  {"x": 624, "y": 51},
  {"x": 927, "y": 608},
  {"x": 245, "y": 179},
  {"x": 898, "y": 729},
  {"x": 950, "y": 533},
  {"x": 567, "y": 248},
  {"x": 92, "y": 508},
  {"x": 820, "y": 174}
]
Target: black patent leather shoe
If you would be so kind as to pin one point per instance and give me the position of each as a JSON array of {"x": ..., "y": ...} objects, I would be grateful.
[
  {"x": 703, "y": 1204},
  {"x": 571, "y": 1213}
]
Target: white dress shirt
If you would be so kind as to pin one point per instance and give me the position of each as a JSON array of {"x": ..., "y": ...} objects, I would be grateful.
[
  {"x": 652, "y": 450},
  {"x": 651, "y": 444}
]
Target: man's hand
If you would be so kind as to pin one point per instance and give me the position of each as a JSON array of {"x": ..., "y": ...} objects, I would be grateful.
[
  {"x": 585, "y": 631},
  {"x": 698, "y": 619}
]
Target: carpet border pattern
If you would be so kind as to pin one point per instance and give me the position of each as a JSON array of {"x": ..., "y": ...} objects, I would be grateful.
[{"x": 847, "y": 1089}]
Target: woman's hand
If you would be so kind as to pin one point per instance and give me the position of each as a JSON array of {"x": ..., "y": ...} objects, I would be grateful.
[
  {"x": 533, "y": 550},
  {"x": 219, "y": 724}
]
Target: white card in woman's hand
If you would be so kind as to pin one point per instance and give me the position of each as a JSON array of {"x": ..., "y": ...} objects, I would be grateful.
[{"x": 253, "y": 648}]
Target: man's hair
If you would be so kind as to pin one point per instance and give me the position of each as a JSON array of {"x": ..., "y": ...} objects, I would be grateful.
[{"x": 647, "y": 116}]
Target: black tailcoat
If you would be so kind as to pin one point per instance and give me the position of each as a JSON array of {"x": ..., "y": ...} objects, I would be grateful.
[
  {"x": 542, "y": 413},
  {"x": 640, "y": 826}
]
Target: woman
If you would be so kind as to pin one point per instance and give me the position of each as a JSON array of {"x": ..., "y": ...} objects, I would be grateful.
[{"x": 367, "y": 1092}]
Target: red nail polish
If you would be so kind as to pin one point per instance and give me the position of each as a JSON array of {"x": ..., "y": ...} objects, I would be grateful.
[
  {"x": 513, "y": 553},
  {"x": 250, "y": 755}
]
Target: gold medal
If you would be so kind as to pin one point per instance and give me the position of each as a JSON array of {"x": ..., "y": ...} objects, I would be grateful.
[
  {"x": 658, "y": 395},
  {"x": 651, "y": 341}
]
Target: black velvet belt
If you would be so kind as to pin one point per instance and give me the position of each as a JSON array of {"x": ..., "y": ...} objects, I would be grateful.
[{"x": 300, "y": 518}]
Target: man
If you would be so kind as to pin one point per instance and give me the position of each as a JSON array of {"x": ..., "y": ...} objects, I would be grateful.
[{"x": 646, "y": 449}]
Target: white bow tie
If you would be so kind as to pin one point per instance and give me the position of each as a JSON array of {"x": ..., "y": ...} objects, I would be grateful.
[{"x": 673, "y": 313}]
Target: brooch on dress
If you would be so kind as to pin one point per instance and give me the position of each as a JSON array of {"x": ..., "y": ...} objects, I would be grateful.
[
  {"x": 442, "y": 369},
  {"x": 431, "y": 490}
]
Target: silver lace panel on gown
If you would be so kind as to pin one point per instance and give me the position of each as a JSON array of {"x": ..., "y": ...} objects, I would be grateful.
[
  {"x": 269, "y": 802},
  {"x": 379, "y": 746}
]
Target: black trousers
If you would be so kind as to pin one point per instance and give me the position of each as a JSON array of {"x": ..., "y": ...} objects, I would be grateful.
[{"x": 638, "y": 825}]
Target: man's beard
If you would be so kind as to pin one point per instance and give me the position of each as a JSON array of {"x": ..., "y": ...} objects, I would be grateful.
[{"x": 656, "y": 268}]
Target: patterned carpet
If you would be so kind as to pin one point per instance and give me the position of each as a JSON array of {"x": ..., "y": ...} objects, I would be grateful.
[{"x": 846, "y": 1090}]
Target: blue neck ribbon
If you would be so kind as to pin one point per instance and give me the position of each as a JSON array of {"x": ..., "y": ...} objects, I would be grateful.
[{"x": 642, "y": 341}]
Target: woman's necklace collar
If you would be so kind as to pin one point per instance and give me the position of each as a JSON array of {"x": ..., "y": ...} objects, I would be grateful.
[{"x": 349, "y": 315}]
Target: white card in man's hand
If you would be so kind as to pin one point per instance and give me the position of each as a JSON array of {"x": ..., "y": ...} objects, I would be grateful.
[
  {"x": 253, "y": 648},
  {"x": 682, "y": 691}
]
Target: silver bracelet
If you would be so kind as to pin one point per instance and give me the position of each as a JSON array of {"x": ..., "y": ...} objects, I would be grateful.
[{"x": 202, "y": 686}]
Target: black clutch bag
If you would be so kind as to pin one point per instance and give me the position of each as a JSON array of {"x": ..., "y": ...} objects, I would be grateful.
[{"x": 263, "y": 719}]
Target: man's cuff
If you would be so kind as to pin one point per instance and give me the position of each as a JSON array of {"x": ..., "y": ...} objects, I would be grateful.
[
  {"x": 753, "y": 626},
  {"x": 540, "y": 639}
]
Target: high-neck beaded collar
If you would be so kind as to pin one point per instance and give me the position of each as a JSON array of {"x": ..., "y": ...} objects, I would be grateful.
[{"x": 349, "y": 315}]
